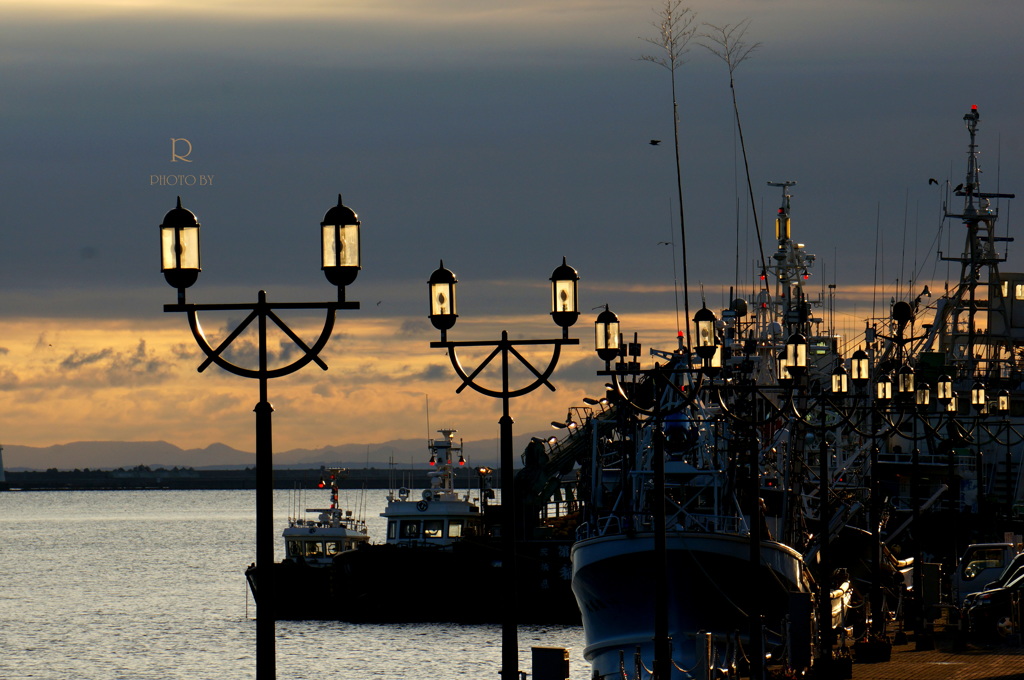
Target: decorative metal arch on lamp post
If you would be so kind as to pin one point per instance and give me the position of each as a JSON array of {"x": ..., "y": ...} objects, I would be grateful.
[
  {"x": 564, "y": 312},
  {"x": 179, "y": 237}
]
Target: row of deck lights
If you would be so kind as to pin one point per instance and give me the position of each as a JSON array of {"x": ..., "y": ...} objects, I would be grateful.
[
  {"x": 905, "y": 385},
  {"x": 791, "y": 363}
]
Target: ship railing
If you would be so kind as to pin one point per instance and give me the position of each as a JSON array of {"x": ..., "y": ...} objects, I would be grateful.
[
  {"x": 719, "y": 524},
  {"x": 611, "y": 525},
  {"x": 907, "y": 458},
  {"x": 603, "y": 526}
]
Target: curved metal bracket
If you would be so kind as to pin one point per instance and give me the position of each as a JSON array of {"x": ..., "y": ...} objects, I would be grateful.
[
  {"x": 504, "y": 347},
  {"x": 261, "y": 311}
]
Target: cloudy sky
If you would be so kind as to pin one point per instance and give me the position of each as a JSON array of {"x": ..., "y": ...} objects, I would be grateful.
[{"x": 499, "y": 136}]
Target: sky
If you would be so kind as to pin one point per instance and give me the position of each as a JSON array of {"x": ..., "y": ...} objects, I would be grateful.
[{"x": 497, "y": 137}]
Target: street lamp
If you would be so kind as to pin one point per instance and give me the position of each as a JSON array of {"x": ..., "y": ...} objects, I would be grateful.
[
  {"x": 564, "y": 312},
  {"x": 859, "y": 367},
  {"x": 840, "y": 380},
  {"x": 442, "y": 299},
  {"x": 565, "y": 296},
  {"x": 179, "y": 262},
  {"x": 607, "y": 340},
  {"x": 796, "y": 355},
  {"x": 179, "y": 249},
  {"x": 340, "y": 245}
]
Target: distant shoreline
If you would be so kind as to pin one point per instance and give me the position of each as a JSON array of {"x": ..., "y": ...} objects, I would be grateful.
[{"x": 187, "y": 478}]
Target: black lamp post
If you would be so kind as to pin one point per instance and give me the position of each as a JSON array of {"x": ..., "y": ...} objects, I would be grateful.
[
  {"x": 564, "y": 312},
  {"x": 179, "y": 238}
]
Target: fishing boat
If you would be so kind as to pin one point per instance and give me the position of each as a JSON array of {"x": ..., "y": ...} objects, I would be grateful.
[
  {"x": 441, "y": 558},
  {"x": 706, "y": 454},
  {"x": 968, "y": 344},
  {"x": 449, "y": 542},
  {"x": 743, "y": 480},
  {"x": 311, "y": 542}
]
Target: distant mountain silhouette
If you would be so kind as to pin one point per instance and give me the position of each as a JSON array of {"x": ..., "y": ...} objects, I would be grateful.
[{"x": 111, "y": 454}]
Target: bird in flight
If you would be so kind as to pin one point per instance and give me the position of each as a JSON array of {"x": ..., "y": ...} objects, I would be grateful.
[{"x": 655, "y": 142}]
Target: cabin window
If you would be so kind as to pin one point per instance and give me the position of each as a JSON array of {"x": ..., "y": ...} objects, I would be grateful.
[
  {"x": 294, "y": 548},
  {"x": 392, "y": 529},
  {"x": 411, "y": 529},
  {"x": 433, "y": 528},
  {"x": 454, "y": 528},
  {"x": 991, "y": 558},
  {"x": 1018, "y": 291},
  {"x": 333, "y": 548},
  {"x": 314, "y": 549}
]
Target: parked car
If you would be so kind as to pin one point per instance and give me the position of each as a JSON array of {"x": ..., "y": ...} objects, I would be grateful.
[
  {"x": 996, "y": 613},
  {"x": 981, "y": 564},
  {"x": 1010, "y": 572}
]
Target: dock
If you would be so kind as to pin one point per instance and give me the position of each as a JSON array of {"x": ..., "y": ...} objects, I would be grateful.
[
  {"x": 943, "y": 655},
  {"x": 945, "y": 663}
]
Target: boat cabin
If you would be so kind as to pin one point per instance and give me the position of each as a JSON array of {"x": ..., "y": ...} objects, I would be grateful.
[{"x": 441, "y": 516}]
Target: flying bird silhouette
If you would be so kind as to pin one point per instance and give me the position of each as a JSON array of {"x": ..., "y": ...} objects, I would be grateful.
[
  {"x": 932, "y": 180},
  {"x": 655, "y": 142},
  {"x": 958, "y": 187}
]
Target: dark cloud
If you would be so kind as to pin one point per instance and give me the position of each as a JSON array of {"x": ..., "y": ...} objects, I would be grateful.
[
  {"x": 77, "y": 359},
  {"x": 110, "y": 367}
]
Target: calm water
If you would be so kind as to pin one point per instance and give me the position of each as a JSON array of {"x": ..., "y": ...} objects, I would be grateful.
[{"x": 140, "y": 585}]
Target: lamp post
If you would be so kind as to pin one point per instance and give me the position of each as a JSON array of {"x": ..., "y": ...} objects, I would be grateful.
[
  {"x": 179, "y": 237},
  {"x": 564, "y": 312}
]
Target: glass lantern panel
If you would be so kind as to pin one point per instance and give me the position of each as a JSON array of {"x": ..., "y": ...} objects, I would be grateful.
[
  {"x": 705, "y": 333},
  {"x": 181, "y": 255},
  {"x": 607, "y": 335},
  {"x": 330, "y": 253},
  {"x": 796, "y": 355},
  {"x": 168, "y": 258},
  {"x": 442, "y": 299},
  {"x": 563, "y": 296},
  {"x": 348, "y": 249}
]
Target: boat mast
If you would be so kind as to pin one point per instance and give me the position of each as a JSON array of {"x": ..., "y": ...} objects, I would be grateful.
[
  {"x": 957, "y": 330},
  {"x": 791, "y": 268}
]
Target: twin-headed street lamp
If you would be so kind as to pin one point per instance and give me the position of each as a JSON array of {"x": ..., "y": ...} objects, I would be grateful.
[
  {"x": 180, "y": 264},
  {"x": 564, "y": 312}
]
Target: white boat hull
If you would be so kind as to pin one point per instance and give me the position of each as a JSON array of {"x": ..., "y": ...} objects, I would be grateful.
[{"x": 710, "y": 584}]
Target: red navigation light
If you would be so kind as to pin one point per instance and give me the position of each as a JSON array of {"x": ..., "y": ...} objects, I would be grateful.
[
  {"x": 433, "y": 461},
  {"x": 321, "y": 484},
  {"x": 974, "y": 107},
  {"x": 806, "y": 276}
]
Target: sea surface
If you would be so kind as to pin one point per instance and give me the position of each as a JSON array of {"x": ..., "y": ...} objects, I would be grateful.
[{"x": 149, "y": 585}]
